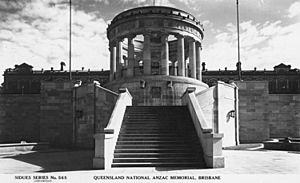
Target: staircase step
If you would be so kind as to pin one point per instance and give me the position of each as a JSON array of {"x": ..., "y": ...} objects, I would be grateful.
[
  {"x": 155, "y": 134},
  {"x": 147, "y": 146},
  {"x": 147, "y": 124},
  {"x": 153, "y": 150},
  {"x": 147, "y": 128},
  {"x": 147, "y": 134},
  {"x": 140, "y": 120},
  {"x": 154, "y": 142},
  {"x": 148, "y": 131},
  {"x": 133, "y": 117},
  {"x": 151, "y": 137},
  {"x": 156, "y": 137},
  {"x": 153, "y": 159},
  {"x": 160, "y": 164},
  {"x": 153, "y": 155}
]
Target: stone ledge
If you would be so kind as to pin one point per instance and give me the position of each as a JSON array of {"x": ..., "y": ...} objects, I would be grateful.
[
  {"x": 180, "y": 79},
  {"x": 284, "y": 146},
  {"x": 5, "y": 148}
]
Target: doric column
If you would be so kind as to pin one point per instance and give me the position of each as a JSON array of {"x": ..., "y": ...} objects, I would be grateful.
[
  {"x": 180, "y": 55},
  {"x": 112, "y": 49},
  {"x": 130, "y": 57},
  {"x": 119, "y": 59},
  {"x": 192, "y": 57},
  {"x": 198, "y": 61},
  {"x": 164, "y": 55},
  {"x": 147, "y": 55}
]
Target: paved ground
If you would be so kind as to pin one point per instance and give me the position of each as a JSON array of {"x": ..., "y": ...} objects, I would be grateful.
[{"x": 242, "y": 160}]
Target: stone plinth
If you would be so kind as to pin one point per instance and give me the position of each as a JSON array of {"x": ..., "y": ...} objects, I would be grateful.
[{"x": 157, "y": 90}]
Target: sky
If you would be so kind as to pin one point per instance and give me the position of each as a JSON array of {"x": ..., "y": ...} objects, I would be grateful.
[{"x": 37, "y": 32}]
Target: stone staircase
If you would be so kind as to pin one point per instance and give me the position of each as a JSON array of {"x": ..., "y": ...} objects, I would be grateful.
[{"x": 157, "y": 136}]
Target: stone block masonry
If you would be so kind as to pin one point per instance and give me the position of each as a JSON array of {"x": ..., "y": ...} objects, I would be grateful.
[
  {"x": 56, "y": 121},
  {"x": 19, "y": 118},
  {"x": 263, "y": 115},
  {"x": 93, "y": 106},
  {"x": 61, "y": 115}
]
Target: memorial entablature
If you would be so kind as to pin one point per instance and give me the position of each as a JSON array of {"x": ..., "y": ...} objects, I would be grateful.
[{"x": 155, "y": 42}]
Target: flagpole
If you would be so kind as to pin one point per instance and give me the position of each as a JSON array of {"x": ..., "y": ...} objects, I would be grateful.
[
  {"x": 70, "y": 39},
  {"x": 238, "y": 39}
]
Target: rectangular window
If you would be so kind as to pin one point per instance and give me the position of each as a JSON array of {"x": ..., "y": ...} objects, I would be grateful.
[{"x": 284, "y": 87}]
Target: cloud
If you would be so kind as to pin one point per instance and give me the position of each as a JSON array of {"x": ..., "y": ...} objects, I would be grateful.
[
  {"x": 39, "y": 35},
  {"x": 294, "y": 10},
  {"x": 221, "y": 53},
  {"x": 37, "y": 32},
  {"x": 12, "y": 6},
  {"x": 278, "y": 43},
  {"x": 262, "y": 45},
  {"x": 90, "y": 43}
]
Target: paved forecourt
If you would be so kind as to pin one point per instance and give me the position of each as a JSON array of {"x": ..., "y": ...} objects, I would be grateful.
[{"x": 237, "y": 162}]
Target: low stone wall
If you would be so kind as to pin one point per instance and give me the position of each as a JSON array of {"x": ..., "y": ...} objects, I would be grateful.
[
  {"x": 93, "y": 105},
  {"x": 19, "y": 118},
  {"x": 61, "y": 115},
  {"x": 263, "y": 115},
  {"x": 56, "y": 122}
]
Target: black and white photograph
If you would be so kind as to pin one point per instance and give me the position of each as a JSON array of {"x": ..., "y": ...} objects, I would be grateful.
[{"x": 149, "y": 91}]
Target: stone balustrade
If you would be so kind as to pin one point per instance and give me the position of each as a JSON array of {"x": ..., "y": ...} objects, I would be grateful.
[
  {"x": 211, "y": 142},
  {"x": 106, "y": 138}
]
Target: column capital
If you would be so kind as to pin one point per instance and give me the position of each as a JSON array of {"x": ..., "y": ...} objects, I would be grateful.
[
  {"x": 190, "y": 39},
  {"x": 199, "y": 44},
  {"x": 112, "y": 44},
  {"x": 119, "y": 39},
  {"x": 177, "y": 35},
  {"x": 164, "y": 36},
  {"x": 131, "y": 36}
]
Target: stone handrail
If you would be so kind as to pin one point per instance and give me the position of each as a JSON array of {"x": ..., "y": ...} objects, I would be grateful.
[
  {"x": 124, "y": 99},
  {"x": 106, "y": 140},
  {"x": 211, "y": 143},
  {"x": 190, "y": 100}
]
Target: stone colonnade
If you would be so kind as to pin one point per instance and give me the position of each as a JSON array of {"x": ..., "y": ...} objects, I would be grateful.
[{"x": 194, "y": 55}]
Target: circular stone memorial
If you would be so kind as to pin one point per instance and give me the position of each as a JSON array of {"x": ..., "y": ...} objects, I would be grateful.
[{"x": 155, "y": 53}]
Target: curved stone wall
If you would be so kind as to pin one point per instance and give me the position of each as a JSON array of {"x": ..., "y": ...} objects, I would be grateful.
[
  {"x": 157, "y": 90},
  {"x": 157, "y": 19}
]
